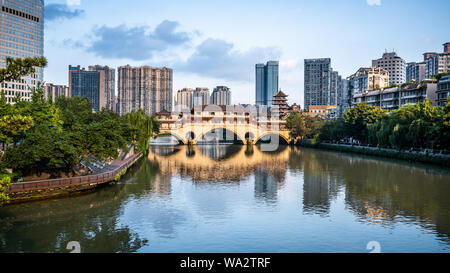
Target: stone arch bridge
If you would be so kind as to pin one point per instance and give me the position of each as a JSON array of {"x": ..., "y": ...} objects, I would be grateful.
[{"x": 246, "y": 127}]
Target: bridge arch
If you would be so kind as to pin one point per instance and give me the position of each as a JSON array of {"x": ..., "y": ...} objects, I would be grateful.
[
  {"x": 237, "y": 136},
  {"x": 174, "y": 134},
  {"x": 281, "y": 137}
]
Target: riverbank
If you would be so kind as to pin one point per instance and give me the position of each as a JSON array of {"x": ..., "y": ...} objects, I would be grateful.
[
  {"x": 431, "y": 158},
  {"x": 51, "y": 188}
]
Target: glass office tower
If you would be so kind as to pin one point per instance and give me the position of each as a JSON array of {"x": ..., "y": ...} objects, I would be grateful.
[
  {"x": 21, "y": 36},
  {"x": 266, "y": 82}
]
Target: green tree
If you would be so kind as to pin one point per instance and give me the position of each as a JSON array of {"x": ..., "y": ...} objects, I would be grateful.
[
  {"x": 4, "y": 184},
  {"x": 332, "y": 130},
  {"x": 358, "y": 118},
  {"x": 145, "y": 126},
  {"x": 43, "y": 150},
  {"x": 16, "y": 68},
  {"x": 13, "y": 128}
]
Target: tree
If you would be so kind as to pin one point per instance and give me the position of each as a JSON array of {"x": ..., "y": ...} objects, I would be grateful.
[
  {"x": 40, "y": 109},
  {"x": 146, "y": 126},
  {"x": 17, "y": 68},
  {"x": 303, "y": 126},
  {"x": 4, "y": 184},
  {"x": 359, "y": 117},
  {"x": 44, "y": 149},
  {"x": 13, "y": 128},
  {"x": 332, "y": 130}
]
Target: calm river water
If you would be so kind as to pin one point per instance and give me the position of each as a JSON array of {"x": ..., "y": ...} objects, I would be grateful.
[{"x": 235, "y": 199}]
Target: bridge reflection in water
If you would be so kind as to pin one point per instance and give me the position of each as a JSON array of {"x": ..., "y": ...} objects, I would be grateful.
[
  {"x": 206, "y": 198},
  {"x": 220, "y": 163}
]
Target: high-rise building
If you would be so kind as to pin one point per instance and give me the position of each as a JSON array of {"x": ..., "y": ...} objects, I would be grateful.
[
  {"x": 334, "y": 87},
  {"x": 148, "y": 88},
  {"x": 437, "y": 63},
  {"x": 55, "y": 91},
  {"x": 201, "y": 96},
  {"x": 109, "y": 85},
  {"x": 221, "y": 96},
  {"x": 415, "y": 72},
  {"x": 21, "y": 36},
  {"x": 365, "y": 80},
  {"x": 395, "y": 65},
  {"x": 323, "y": 86},
  {"x": 96, "y": 84},
  {"x": 266, "y": 82},
  {"x": 184, "y": 99}
]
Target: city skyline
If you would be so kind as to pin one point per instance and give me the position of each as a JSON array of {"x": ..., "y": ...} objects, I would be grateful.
[{"x": 204, "y": 54}]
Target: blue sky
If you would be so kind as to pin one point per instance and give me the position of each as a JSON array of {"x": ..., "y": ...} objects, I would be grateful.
[{"x": 210, "y": 43}]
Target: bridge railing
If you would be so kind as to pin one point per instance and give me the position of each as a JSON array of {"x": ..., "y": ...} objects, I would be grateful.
[{"x": 72, "y": 181}]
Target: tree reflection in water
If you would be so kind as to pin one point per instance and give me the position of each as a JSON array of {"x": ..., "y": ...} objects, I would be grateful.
[{"x": 179, "y": 190}]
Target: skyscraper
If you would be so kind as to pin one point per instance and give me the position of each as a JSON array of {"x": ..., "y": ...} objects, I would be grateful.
[
  {"x": 109, "y": 85},
  {"x": 317, "y": 82},
  {"x": 201, "y": 96},
  {"x": 266, "y": 82},
  {"x": 184, "y": 99},
  {"x": 96, "y": 84},
  {"x": 21, "y": 36},
  {"x": 395, "y": 65},
  {"x": 148, "y": 88},
  {"x": 221, "y": 96}
]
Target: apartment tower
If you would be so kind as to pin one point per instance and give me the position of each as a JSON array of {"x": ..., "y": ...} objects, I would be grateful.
[
  {"x": 147, "y": 88},
  {"x": 96, "y": 84},
  {"x": 395, "y": 65},
  {"x": 221, "y": 96}
]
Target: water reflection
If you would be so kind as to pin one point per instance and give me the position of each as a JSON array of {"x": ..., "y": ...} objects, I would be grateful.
[
  {"x": 220, "y": 163},
  {"x": 205, "y": 198},
  {"x": 49, "y": 226},
  {"x": 377, "y": 191}
]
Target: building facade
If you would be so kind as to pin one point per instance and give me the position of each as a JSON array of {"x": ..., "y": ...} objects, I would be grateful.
[
  {"x": 147, "y": 88},
  {"x": 201, "y": 96},
  {"x": 416, "y": 72},
  {"x": 395, "y": 65},
  {"x": 443, "y": 90},
  {"x": 88, "y": 84},
  {"x": 323, "y": 111},
  {"x": 21, "y": 36},
  {"x": 55, "y": 91},
  {"x": 322, "y": 85},
  {"x": 184, "y": 99},
  {"x": 395, "y": 97},
  {"x": 221, "y": 96},
  {"x": 109, "y": 85},
  {"x": 365, "y": 80},
  {"x": 267, "y": 82},
  {"x": 437, "y": 63}
]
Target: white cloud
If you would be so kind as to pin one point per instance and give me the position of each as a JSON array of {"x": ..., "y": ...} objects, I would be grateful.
[
  {"x": 373, "y": 2},
  {"x": 73, "y": 2}
]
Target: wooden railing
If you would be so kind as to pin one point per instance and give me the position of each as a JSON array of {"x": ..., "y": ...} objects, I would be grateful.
[{"x": 73, "y": 181}]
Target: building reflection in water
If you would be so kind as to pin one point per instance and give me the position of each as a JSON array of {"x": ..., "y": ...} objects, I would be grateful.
[{"x": 376, "y": 191}]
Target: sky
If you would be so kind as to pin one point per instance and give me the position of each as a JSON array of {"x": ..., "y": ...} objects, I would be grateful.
[{"x": 210, "y": 43}]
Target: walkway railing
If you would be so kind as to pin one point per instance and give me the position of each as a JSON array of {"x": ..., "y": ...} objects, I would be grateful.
[{"x": 73, "y": 181}]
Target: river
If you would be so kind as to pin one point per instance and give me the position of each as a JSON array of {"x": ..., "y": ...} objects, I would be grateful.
[{"x": 228, "y": 198}]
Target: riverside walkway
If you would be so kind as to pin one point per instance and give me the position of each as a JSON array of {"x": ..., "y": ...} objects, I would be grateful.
[{"x": 44, "y": 188}]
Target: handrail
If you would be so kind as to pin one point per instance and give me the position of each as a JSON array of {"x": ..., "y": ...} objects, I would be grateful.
[{"x": 73, "y": 181}]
